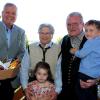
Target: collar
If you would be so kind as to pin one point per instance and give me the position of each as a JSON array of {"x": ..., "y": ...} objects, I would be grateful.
[
  {"x": 97, "y": 37},
  {"x": 79, "y": 37},
  {"x": 6, "y": 28},
  {"x": 47, "y": 45}
]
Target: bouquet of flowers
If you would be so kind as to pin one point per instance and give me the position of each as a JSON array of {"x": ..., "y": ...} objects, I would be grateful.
[{"x": 9, "y": 69}]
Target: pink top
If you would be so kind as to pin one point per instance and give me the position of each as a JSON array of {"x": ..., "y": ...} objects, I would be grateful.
[{"x": 39, "y": 90}]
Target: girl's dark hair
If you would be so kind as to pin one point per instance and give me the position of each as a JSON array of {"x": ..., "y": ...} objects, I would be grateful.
[
  {"x": 45, "y": 66},
  {"x": 94, "y": 22}
]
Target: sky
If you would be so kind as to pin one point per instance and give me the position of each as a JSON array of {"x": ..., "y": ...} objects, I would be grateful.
[{"x": 32, "y": 13}]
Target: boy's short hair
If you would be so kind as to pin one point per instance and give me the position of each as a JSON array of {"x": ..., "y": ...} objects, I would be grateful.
[{"x": 93, "y": 22}]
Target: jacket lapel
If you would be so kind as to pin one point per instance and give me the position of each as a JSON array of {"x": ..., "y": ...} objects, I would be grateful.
[
  {"x": 13, "y": 36},
  {"x": 3, "y": 34}
]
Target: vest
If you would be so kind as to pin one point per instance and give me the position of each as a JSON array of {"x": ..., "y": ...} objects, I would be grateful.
[
  {"x": 69, "y": 63},
  {"x": 51, "y": 55}
]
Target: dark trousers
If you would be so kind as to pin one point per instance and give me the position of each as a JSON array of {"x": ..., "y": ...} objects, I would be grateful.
[
  {"x": 6, "y": 90},
  {"x": 67, "y": 93},
  {"x": 86, "y": 94}
]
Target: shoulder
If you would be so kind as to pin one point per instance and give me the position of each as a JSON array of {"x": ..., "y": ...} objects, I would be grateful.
[
  {"x": 19, "y": 29},
  {"x": 51, "y": 85},
  {"x": 1, "y": 25},
  {"x": 89, "y": 43},
  {"x": 56, "y": 45},
  {"x": 94, "y": 41},
  {"x": 33, "y": 83},
  {"x": 65, "y": 38},
  {"x": 33, "y": 45}
]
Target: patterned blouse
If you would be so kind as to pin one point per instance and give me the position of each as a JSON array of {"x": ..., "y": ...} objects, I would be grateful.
[{"x": 39, "y": 90}]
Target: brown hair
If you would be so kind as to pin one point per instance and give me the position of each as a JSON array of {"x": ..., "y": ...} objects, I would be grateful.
[
  {"x": 93, "y": 22},
  {"x": 45, "y": 66}
]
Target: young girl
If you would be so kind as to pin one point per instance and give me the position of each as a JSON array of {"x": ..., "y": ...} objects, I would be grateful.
[{"x": 42, "y": 88}]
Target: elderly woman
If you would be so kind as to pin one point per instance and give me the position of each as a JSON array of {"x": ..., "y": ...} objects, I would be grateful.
[{"x": 45, "y": 50}]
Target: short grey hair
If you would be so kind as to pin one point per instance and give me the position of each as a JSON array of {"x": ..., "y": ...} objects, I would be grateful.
[
  {"x": 75, "y": 14},
  {"x": 9, "y": 5},
  {"x": 49, "y": 26}
]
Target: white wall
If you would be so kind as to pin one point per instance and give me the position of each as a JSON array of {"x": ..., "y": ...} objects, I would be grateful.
[{"x": 31, "y": 13}]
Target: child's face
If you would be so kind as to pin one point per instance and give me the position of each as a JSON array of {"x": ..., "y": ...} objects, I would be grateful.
[
  {"x": 41, "y": 75},
  {"x": 91, "y": 31}
]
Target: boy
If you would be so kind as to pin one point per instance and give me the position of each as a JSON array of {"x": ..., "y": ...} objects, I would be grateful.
[{"x": 89, "y": 70}]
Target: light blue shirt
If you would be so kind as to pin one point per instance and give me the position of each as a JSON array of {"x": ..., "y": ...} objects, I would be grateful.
[
  {"x": 25, "y": 64},
  {"x": 90, "y": 58},
  {"x": 58, "y": 76},
  {"x": 8, "y": 33}
]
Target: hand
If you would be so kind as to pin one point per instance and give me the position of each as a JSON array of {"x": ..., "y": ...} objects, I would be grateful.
[
  {"x": 73, "y": 50},
  {"x": 88, "y": 83},
  {"x": 29, "y": 95},
  {"x": 46, "y": 97},
  {"x": 91, "y": 82},
  {"x": 1, "y": 67},
  {"x": 33, "y": 98},
  {"x": 3, "y": 59},
  {"x": 50, "y": 96},
  {"x": 54, "y": 96}
]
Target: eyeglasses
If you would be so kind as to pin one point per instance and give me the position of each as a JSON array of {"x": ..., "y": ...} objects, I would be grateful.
[
  {"x": 47, "y": 33},
  {"x": 73, "y": 24}
]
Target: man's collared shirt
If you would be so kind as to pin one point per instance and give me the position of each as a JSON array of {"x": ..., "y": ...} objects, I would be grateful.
[
  {"x": 8, "y": 33},
  {"x": 46, "y": 46}
]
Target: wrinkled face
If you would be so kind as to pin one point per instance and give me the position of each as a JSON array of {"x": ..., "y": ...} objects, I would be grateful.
[
  {"x": 91, "y": 31},
  {"x": 45, "y": 36},
  {"x": 41, "y": 75},
  {"x": 9, "y": 15},
  {"x": 74, "y": 25}
]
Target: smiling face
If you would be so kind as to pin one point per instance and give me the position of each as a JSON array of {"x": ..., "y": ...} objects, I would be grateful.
[
  {"x": 9, "y": 15},
  {"x": 41, "y": 75},
  {"x": 91, "y": 31},
  {"x": 45, "y": 36},
  {"x": 74, "y": 25}
]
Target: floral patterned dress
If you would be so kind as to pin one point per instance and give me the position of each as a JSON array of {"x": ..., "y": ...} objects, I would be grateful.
[{"x": 39, "y": 90}]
